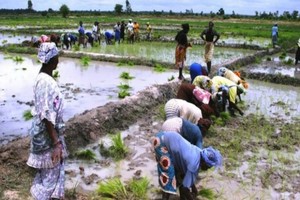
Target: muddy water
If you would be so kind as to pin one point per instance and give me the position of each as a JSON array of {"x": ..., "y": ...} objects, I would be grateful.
[
  {"x": 84, "y": 87},
  {"x": 275, "y": 65},
  {"x": 95, "y": 85},
  {"x": 166, "y": 51},
  {"x": 271, "y": 100},
  {"x": 13, "y": 39}
]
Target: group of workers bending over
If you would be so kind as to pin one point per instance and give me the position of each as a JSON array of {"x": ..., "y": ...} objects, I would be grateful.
[{"x": 178, "y": 146}]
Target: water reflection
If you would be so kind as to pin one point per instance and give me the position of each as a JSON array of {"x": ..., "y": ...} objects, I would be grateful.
[
  {"x": 88, "y": 87},
  {"x": 84, "y": 87}
]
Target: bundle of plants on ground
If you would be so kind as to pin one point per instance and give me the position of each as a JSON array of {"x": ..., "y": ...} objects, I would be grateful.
[
  {"x": 27, "y": 115},
  {"x": 86, "y": 154},
  {"x": 126, "y": 76},
  {"x": 85, "y": 60},
  {"x": 115, "y": 189},
  {"x": 117, "y": 150}
]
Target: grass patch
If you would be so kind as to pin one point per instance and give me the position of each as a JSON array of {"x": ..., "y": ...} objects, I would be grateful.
[
  {"x": 86, "y": 154},
  {"x": 115, "y": 189},
  {"x": 125, "y": 63},
  {"x": 56, "y": 74},
  {"x": 126, "y": 76},
  {"x": 27, "y": 115},
  {"x": 124, "y": 86},
  {"x": 159, "y": 68},
  {"x": 117, "y": 150},
  {"x": 123, "y": 93},
  {"x": 207, "y": 194},
  {"x": 85, "y": 60}
]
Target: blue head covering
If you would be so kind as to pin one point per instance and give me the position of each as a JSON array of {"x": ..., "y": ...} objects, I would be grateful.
[
  {"x": 47, "y": 51},
  {"x": 212, "y": 157}
]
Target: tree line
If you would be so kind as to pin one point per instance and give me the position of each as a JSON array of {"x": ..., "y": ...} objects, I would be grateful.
[{"x": 118, "y": 9}]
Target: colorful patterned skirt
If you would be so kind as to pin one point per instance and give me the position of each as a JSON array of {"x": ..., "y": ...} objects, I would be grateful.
[{"x": 165, "y": 168}]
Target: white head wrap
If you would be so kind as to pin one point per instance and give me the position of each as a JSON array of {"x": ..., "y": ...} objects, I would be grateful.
[{"x": 47, "y": 51}]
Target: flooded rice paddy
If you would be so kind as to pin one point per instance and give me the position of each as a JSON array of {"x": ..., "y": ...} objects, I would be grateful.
[{"x": 86, "y": 87}]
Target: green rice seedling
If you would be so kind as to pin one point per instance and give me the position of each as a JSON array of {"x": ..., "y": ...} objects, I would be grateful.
[
  {"x": 86, "y": 154},
  {"x": 130, "y": 63},
  {"x": 219, "y": 122},
  {"x": 118, "y": 150},
  {"x": 76, "y": 47},
  {"x": 207, "y": 193},
  {"x": 159, "y": 68},
  {"x": 126, "y": 76},
  {"x": 18, "y": 59},
  {"x": 124, "y": 86},
  {"x": 161, "y": 112},
  {"x": 112, "y": 189},
  {"x": 85, "y": 60},
  {"x": 27, "y": 115},
  {"x": 269, "y": 59},
  {"x": 257, "y": 60},
  {"x": 56, "y": 74},
  {"x": 139, "y": 188},
  {"x": 225, "y": 116},
  {"x": 4, "y": 41},
  {"x": 122, "y": 63},
  {"x": 123, "y": 93}
]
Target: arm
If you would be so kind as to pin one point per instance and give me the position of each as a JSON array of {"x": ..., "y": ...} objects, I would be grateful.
[
  {"x": 57, "y": 153},
  {"x": 217, "y": 37}
]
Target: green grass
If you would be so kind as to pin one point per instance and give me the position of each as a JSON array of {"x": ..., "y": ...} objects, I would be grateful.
[
  {"x": 126, "y": 76},
  {"x": 86, "y": 154},
  {"x": 117, "y": 150},
  {"x": 56, "y": 74},
  {"x": 207, "y": 194},
  {"x": 124, "y": 86},
  {"x": 159, "y": 68},
  {"x": 123, "y": 93},
  {"x": 112, "y": 189},
  {"x": 85, "y": 60},
  {"x": 139, "y": 187},
  {"x": 136, "y": 189},
  {"x": 27, "y": 115}
]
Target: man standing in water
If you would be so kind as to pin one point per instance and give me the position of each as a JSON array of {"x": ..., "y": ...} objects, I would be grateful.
[{"x": 209, "y": 33}]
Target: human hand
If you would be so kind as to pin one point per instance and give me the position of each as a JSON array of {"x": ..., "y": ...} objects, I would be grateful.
[{"x": 57, "y": 153}]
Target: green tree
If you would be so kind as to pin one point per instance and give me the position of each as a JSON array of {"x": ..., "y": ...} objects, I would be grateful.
[
  {"x": 64, "y": 10},
  {"x": 295, "y": 14},
  {"x": 221, "y": 12},
  {"x": 128, "y": 7},
  {"x": 30, "y": 5},
  {"x": 118, "y": 8}
]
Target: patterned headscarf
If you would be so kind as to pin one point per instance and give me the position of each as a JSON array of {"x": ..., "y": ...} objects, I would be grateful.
[
  {"x": 212, "y": 157},
  {"x": 47, "y": 51}
]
